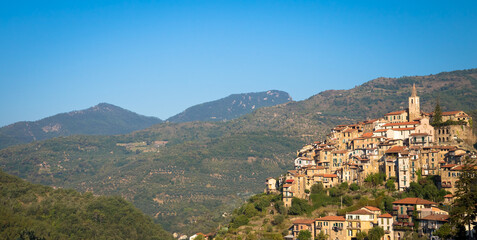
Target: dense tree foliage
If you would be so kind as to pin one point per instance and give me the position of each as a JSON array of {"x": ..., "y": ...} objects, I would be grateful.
[
  {"x": 35, "y": 212},
  {"x": 304, "y": 235},
  {"x": 299, "y": 207},
  {"x": 375, "y": 178},
  {"x": 464, "y": 209},
  {"x": 375, "y": 233},
  {"x": 425, "y": 188},
  {"x": 444, "y": 232},
  {"x": 390, "y": 186},
  {"x": 437, "y": 116}
]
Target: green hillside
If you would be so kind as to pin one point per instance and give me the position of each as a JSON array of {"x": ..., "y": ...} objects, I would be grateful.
[
  {"x": 30, "y": 210},
  {"x": 231, "y": 107},
  {"x": 186, "y": 175},
  {"x": 102, "y": 119}
]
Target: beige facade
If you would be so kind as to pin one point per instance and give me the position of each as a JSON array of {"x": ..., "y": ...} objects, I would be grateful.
[
  {"x": 385, "y": 221},
  {"x": 333, "y": 226},
  {"x": 414, "y": 105},
  {"x": 303, "y": 225},
  {"x": 271, "y": 185}
]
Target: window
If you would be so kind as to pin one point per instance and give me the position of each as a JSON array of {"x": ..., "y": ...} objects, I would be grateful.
[{"x": 350, "y": 233}]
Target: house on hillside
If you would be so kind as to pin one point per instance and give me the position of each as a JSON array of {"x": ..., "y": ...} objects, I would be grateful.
[
  {"x": 361, "y": 220},
  {"x": 403, "y": 211}
]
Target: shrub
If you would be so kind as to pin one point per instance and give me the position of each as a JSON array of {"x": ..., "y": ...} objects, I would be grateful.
[
  {"x": 299, "y": 206},
  {"x": 239, "y": 221},
  {"x": 278, "y": 219},
  {"x": 354, "y": 187},
  {"x": 317, "y": 188},
  {"x": 347, "y": 200}
]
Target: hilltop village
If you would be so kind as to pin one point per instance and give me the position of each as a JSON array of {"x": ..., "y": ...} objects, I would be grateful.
[{"x": 405, "y": 146}]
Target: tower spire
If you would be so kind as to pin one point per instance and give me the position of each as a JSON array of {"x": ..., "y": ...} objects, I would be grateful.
[{"x": 414, "y": 92}]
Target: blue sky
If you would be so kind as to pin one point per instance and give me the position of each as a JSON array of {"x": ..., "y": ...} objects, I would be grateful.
[{"x": 159, "y": 57}]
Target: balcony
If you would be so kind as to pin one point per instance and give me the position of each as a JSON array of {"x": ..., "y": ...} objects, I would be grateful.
[
  {"x": 431, "y": 226},
  {"x": 403, "y": 216},
  {"x": 403, "y": 226},
  {"x": 318, "y": 226},
  {"x": 445, "y": 185},
  {"x": 337, "y": 228},
  {"x": 410, "y": 209}
]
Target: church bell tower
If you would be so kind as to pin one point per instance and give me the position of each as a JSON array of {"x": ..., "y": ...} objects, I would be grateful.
[{"x": 414, "y": 105}]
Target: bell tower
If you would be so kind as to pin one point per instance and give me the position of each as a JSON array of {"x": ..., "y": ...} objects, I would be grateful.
[{"x": 414, "y": 105}]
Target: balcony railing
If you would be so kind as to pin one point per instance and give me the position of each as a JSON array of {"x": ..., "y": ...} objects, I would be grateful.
[{"x": 337, "y": 228}]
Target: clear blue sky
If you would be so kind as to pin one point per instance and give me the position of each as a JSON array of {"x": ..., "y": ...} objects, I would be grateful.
[{"x": 159, "y": 57}]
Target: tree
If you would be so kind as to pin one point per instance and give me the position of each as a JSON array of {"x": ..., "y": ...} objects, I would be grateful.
[
  {"x": 304, "y": 235},
  {"x": 199, "y": 237},
  {"x": 390, "y": 186},
  {"x": 317, "y": 188},
  {"x": 361, "y": 235},
  {"x": 464, "y": 210},
  {"x": 375, "y": 233},
  {"x": 353, "y": 187},
  {"x": 239, "y": 221},
  {"x": 280, "y": 207},
  {"x": 375, "y": 178},
  {"x": 437, "y": 116},
  {"x": 322, "y": 236},
  {"x": 444, "y": 232},
  {"x": 278, "y": 219},
  {"x": 299, "y": 206}
]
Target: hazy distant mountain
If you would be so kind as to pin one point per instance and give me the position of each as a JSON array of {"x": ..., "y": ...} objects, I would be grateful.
[
  {"x": 102, "y": 119},
  {"x": 231, "y": 107}
]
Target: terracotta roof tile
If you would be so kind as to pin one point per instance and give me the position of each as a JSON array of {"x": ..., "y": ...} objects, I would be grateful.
[
  {"x": 395, "y": 113},
  {"x": 304, "y": 221},
  {"x": 395, "y": 149},
  {"x": 448, "y": 166},
  {"x": 386, "y": 215},
  {"x": 402, "y": 129},
  {"x": 371, "y": 208},
  {"x": 361, "y": 212},
  {"x": 331, "y": 218},
  {"x": 367, "y": 135},
  {"x": 450, "y": 113},
  {"x": 437, "y": 217},
  {"x": 400, "y": 124},
  {"x": 420, "y": 134},
  {"x": 414, "y": 201}
]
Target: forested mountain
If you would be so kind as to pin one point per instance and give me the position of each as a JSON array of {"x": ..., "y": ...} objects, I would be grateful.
[
  {"x": 231, "y": 107},
  {"x": 102, "y": 119},
  {"x": 30, "y": 211},
  {"x": 187, "y": 175}
]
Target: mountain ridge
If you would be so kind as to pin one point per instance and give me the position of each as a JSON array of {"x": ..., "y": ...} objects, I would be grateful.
[
  {"x": 231, "y": 107},
  {"x": 101, "y": 119}
]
